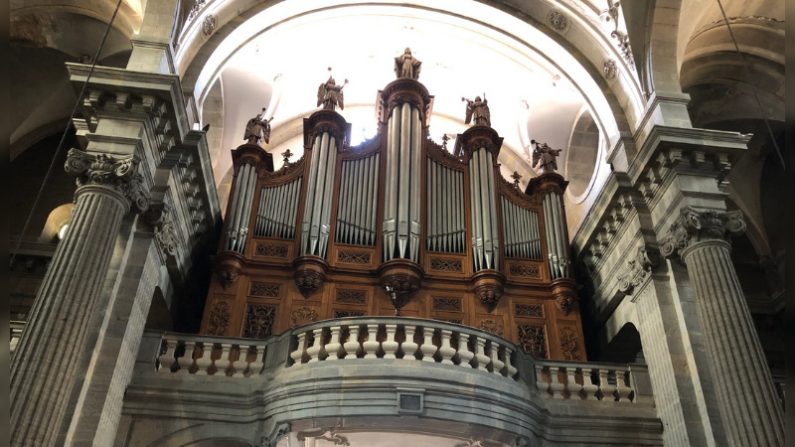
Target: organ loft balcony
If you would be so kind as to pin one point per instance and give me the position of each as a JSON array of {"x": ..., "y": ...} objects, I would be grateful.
[{"x": 395, "y": 286}]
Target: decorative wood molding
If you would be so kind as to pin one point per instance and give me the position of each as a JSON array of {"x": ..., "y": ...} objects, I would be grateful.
[
  {"x": 271, "y": 290},
  {"x": 447, "y": 264},
  {"x": 351, "y": 296},
  {"x": 529, "y": 310},
  {"x": 220, "y": 315},
  {"x": 446, "y": 303},
  {"x": 260, "y": 320},
  {"x": 270, "y": 250}
]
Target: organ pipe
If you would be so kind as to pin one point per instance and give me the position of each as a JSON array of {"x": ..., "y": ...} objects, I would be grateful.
[
  {"x": 445, "y": 197},
  {"x": 357, "y": 201},
  {"x": 240, "y": 211},
  {"x": 556, "y": 238},
  {"x": 277, "y": 210},
  {"x": 315, "y": 224},
  {"x": 402, "y": 208}
]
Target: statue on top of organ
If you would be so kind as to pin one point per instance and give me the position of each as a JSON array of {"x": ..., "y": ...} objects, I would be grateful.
[
  {"x": 258, "y": 128},
  {"x": 397, "y": 223}
]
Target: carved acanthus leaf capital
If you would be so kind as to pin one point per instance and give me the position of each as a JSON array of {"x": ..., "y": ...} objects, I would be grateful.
[
  {"x": 638, "y": 269},
  {"x": 696, "y": 225},
  {"x": 116, "y": 172}
]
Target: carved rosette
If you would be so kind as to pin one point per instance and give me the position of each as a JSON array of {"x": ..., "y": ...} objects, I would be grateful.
[
  {"x": 638, "y": 270},
  {"x": 697, "y": 225},
  {"x": 400, "y": 279},
  {"x": 115, "y": 172},
  {"x": 309, "y": 274},
  {"x": 228, "y": 268},
  {"x": 488, "y": 286}
]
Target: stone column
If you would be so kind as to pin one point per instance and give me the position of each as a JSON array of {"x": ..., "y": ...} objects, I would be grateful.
[
  {"x": 45, "y": 363},
  {"x": 747, "y": 400}
]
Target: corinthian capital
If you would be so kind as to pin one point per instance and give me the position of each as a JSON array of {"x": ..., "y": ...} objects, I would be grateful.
[
  {"x": 116, "y": 172},
  {"x": 694, "y": 225}
]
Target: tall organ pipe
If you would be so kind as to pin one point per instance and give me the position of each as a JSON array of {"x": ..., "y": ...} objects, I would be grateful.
[
  {"x": 390, "y": 211},
  {"x": 310, "y": 195},
  {"x": 414, "y": 179},
  {"x": 328, "y": 185}
]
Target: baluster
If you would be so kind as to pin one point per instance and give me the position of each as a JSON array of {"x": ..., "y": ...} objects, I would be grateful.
[
  {"x": 589, "y": 387},
  {"x": 480, "y": 354},
  {"x": 352, "y": 345},
  {"x": 167, "y": 359},
  {"x": 464, "y": 354},
  {"x": 185, "y": 363},
  {"x": 428, "y": 348},
  {"x": 409, "y": 347},
  {"x": 510, "y": 369},
  {"x": 446, "y": 351},
  {"x": 298, "y": 354},
  {"x": 371, "y": 344},
  {"x": 240, "y": 365},
  {"x": 317, "y": 345},
  {"x": 572, "y": 387},
  {"x": 333, "y": 347},
  {"x": 622, "y": 386},
  {"x": 541, "y": 384},
  {"x": 555, "y": 386},
  {"x": 389, "y": 345},
  {"x": 605, "y": 386},
  {"x": 496, "y": 364},
  {"x": 223, "y": 361},
  {"x": 204, "y": 362},
  {"x": 255, "y": 367}
]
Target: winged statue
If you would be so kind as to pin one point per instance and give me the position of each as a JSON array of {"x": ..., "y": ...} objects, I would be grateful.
[
  {"x": 330, "y": 95},
  {"x": 478, "y": 110},
  {"x": 544, "y": 156}
]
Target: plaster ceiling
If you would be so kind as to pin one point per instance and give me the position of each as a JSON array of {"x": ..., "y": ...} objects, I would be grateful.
[{"x": 531, "y": 94}]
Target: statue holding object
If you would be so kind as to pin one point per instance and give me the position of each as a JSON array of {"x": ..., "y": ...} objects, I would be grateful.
[
  {"x": 258, "y": 128},
  {"x": 479, "y": 110},
  {"x": 330, "y": 95},
  {"x": 407, "y": 66},
  {"x": 545, "y": 157}
]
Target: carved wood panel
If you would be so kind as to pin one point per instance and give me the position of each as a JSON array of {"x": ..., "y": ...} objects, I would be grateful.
[
  {"x": 532, "y": 339},
  {"x": 260, "y": 319}
]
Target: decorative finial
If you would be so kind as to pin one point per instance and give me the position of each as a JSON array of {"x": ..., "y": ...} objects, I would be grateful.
[
  {"x": 330, "y": 95},
  {"x": 407, "y": 66},
  {"x": 445, "y": 139},
  {"x": 479, "y": 110},
  {"x": 516, "y": 177},
  {"x": 544, "y": 156},
  {"x": 258, "y": 128},
  {"x": 286, "y": 156}
]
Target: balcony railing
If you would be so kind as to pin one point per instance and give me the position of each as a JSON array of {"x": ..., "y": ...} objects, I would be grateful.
[{"x": 399, "y": 339}]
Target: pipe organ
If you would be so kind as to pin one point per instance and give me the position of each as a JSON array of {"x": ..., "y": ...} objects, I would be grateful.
[{"x": 395, "y": 226}]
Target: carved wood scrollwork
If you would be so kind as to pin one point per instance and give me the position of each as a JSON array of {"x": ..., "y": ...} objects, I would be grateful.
[
  {"x": 351, "y": 296},
  {"x": 532, "y": 339},
  {"x": 444, "y": 303},
  {"x": 525, "y": 270},
  {"x": 259, "y": 320},
  {"x": 353, "y": 257},
  {"x": 264, "y": 289},
  {"x": 493, "y": 327},
  {"x": 303, "y": 315},
  {"x": 569, "y": 344},
  {"x": 447, "y": 265},
  {"x": 271, "y": 250},
  {"x": 348, "y": 313},
  {"x": 219, "y": 318},
  {"x": 529, "y": 310}
]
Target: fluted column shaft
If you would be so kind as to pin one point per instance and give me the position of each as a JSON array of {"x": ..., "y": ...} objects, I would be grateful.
[
  {"x": 747, "y": 399},
  {"x": 44, "y": 365},
  {"x": 745, "y": 388}
]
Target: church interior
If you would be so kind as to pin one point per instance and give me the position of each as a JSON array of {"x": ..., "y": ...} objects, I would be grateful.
[{"x": 427, "y": 223}]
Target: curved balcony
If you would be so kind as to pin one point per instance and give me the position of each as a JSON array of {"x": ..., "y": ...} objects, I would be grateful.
[{"x": 385, "y": 373}]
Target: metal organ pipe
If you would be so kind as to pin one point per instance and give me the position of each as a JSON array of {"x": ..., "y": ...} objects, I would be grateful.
[
  {"x": 328, "y": 185},
  {"x": 390, "y": 211},
  {"x": 310, "y": 195},
  {"x": 414, "y": 179}
]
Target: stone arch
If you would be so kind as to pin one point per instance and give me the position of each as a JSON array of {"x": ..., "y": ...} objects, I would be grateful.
[{"x": 582, "y": 38}]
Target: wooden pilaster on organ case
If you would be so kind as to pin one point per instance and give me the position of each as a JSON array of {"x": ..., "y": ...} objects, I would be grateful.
[
  {"x": 311, "y": 266},
  {"x": 487, "y": 281}
]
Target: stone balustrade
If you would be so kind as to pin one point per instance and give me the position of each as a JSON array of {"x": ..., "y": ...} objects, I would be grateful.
[
  {"x": 212, "y": 356},
  {"x": 401, "y": 339},
  {"x": 587, "y": 381}
]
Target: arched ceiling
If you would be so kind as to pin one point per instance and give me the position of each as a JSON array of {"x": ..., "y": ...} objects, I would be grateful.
[{"x": 536, "y": 85}]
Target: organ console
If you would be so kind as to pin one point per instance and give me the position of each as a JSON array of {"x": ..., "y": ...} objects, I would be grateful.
[{"x": 397, "y": 225}]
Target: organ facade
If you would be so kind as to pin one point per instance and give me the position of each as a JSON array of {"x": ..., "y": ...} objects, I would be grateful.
[{"x": 397, "y": 225}]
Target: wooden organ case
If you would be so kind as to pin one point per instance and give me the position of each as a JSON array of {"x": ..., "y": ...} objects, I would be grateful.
[{"x": 396, "y": 225}]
